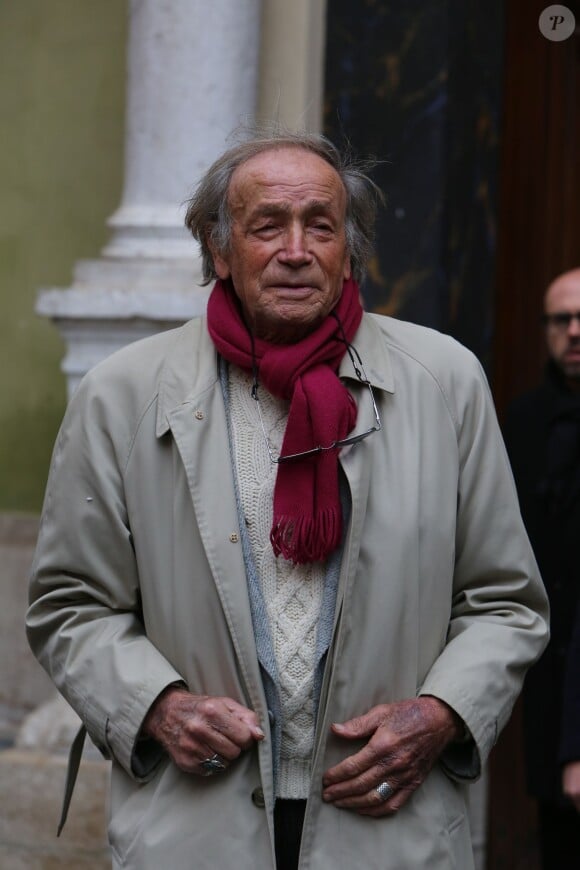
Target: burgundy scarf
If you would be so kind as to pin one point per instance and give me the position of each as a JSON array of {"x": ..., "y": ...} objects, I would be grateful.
[{"x": 307, "y": 524}]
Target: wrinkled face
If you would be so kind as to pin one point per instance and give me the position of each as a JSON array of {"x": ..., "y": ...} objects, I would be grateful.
[
  {"x": 563, "y": 340},
  {"x": 288, "y": 257}
]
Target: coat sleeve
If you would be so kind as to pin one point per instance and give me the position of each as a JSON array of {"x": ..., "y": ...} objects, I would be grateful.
[
  {"x": 84, "y": 620},
  {"x": 498, "y": 622}
]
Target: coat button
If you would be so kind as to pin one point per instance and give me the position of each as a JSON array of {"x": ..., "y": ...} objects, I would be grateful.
[
  {"x": 258, "y": 798},
  {"x": 199, "y": 415},
  {"x": 234, "y": 537}
]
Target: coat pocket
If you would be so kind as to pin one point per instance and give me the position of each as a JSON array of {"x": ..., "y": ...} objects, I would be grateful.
[{"x": 133, "y": 809}]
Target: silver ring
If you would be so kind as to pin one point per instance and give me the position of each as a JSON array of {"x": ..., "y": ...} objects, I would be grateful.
[
  {"x": 384, "y": 790},
  {"x": 212, "y": 765}
]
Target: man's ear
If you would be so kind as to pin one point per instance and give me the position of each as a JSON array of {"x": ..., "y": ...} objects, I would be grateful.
[
  {"x": 220, "y": 263},
  {"x": 347, "y": 270}
]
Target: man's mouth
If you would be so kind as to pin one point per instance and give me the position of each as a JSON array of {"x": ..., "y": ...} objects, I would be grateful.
[{"x": 294, "y": 290}]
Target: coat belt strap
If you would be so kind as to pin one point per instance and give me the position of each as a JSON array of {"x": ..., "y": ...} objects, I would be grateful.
[{"x": 74, "y": 760}]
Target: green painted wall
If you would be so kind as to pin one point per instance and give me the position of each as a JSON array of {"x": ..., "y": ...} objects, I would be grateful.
[{"x": 62, "y": 92}]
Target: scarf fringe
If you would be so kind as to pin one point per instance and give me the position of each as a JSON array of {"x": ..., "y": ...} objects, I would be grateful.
[{"x": 305, "y": 539}]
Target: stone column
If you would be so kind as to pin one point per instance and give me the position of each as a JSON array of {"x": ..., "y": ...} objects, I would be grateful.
[
  {"x": 192, "y": 77},
  {"x": 292, "y": 63}
]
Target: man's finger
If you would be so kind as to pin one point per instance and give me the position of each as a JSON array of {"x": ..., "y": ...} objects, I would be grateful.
[
  {"x": 362, "y": 785},
  {"x": 238, "y": 713},
  {"x": 351, "y": 767},
  {"x": 374, "y": 803},
  {"x": 389, "y": 807},
  {"x": 359, "y": 726}
]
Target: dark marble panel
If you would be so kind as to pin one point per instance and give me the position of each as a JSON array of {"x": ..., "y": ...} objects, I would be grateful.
[{"x": 417, "y": 84}]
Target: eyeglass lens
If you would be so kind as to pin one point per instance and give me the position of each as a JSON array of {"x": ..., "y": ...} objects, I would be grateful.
[{"x": 561, "y": 319}]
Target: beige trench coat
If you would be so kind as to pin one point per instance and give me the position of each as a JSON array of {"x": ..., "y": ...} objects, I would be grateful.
[{"x": 139, "y": 581}]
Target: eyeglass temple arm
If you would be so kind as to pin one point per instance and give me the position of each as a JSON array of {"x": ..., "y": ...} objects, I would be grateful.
[
  {"x": 255, "y": 369},
  {"x": 352, "y": 351}
]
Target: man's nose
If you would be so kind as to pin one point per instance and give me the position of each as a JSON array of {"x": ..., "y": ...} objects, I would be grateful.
[
  {"x": 295, "y": 250},
  {"x": 574, "y": 326}
]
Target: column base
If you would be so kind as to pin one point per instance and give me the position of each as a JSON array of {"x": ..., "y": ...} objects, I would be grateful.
[{"x": 114, "y": 302}]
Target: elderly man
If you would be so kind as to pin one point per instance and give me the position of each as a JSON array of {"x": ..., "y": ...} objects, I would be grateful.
[
  {"x": 543, "y": 438},
  {"x": 281, "y": 574}
]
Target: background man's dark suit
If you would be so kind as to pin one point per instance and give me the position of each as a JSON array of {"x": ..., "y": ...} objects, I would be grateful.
[
  {"x": 542, "y": 433},
  {"x": 539, "y": 428}
]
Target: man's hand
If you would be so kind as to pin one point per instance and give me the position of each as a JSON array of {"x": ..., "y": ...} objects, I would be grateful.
[
  {"x": 406, "y": 739},
  {"x": 193, "y": 728},
  {"x": 571, "y": 782}
]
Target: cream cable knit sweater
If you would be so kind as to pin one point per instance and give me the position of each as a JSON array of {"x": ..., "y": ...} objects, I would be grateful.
[{"x": 293, "y": 593}]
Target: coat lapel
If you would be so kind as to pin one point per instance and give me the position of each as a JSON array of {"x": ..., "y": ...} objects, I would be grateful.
[
  {"x": 191, "y": 407},
  {"x": 370, "y": 344}
]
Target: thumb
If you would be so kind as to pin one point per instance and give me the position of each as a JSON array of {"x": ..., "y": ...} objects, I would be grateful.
[
  {"x": 360, "y": 726},
  {"x": 257, "y": 732},
  {"x": 251, "y": 720}
]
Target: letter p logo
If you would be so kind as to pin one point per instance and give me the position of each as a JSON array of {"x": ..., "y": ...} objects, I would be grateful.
[{"x": 557, "y": 23}]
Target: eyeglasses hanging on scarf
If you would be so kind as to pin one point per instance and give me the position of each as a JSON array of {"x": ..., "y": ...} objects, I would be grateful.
[{"x": 335, "y": 445}]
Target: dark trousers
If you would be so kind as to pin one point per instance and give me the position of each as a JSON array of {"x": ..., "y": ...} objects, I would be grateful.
[
  {"x": 288, "y": 821},
  {"x": 559, "y": 837}
]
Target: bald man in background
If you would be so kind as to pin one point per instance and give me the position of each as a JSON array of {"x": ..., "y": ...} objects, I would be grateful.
[{"x": 542, "y": 434}]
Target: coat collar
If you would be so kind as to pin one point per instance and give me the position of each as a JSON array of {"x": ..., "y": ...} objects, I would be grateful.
[
  {"x": 191, "y": 365},
  {"x": 190, "y": 368},
  {"x": 370, "y": 343}
]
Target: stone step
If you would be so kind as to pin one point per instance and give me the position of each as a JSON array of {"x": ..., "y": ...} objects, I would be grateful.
[{"x": 31, "y": 790}]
